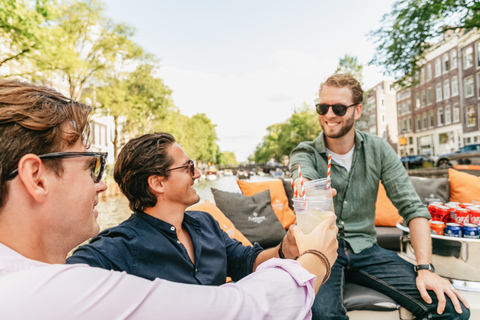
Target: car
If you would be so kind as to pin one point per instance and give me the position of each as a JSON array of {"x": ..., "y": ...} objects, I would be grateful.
[
  {"x": 469, "y": 154},
  {"x": 416, "y": 161}
]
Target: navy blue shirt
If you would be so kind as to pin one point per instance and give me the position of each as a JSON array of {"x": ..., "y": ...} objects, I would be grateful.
[{"x": 149, "y": 248}]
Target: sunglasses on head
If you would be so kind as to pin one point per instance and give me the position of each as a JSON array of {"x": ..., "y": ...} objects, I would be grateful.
[
  {"x": 338, "y": 109},
  {"x": 190, "y": 164},
  {"x": 97, "y": 166}
]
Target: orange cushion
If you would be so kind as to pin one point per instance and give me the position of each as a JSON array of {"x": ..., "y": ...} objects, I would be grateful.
[
  {"x": 279, "y": 198},
  {"x": 464, "y": 187},
  {"x": 222, "y": 220},
  {"x": 385, "y": 212}
]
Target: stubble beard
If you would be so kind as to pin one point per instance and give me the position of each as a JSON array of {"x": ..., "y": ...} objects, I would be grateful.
[{"x": 343, "y": 131}]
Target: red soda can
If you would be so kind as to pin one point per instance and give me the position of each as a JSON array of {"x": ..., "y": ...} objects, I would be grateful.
[
  {"x": 440, "y": 213},
  {"x": 437, "y": 227},
  {"x": 450, "y": 217},
  {"x": 474, "y": 215},
  {"x": 462, "y": 216},
  {"x": 465, "y": 205},
  {"x": 431, "y": 208}
]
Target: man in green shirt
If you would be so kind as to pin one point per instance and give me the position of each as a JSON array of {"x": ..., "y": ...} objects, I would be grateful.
[{"x": 359, "y": 162}]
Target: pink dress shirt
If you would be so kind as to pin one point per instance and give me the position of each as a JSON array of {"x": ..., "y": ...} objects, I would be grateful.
[{"x": 29, "y": 289}]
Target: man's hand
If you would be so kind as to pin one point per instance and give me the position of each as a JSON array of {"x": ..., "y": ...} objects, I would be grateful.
[
  {"x": 290, "y": 249},
  {"x": 427, "y": 280}
]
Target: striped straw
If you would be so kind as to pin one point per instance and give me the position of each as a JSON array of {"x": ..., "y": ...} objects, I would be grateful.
[
  {"x": 301, "y": 183},
  {"x": 294, "y": 189},
  {"x": 328, "y": 170}
]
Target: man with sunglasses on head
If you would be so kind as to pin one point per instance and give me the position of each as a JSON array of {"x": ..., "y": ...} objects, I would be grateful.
[
  {"x": 49, "y": 187},
  {"x": 161, "y": 239},
  {"x": 359, "y": 162}
]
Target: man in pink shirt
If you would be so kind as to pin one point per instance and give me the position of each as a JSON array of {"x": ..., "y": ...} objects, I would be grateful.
[{"x": 49, "y": 186}]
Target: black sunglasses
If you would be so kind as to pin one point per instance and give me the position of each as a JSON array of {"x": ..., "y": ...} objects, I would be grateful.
[
  {"x": 338, "y": 109},
  {"x": 97, "y": 166},
  {"x": 190, "y": 164}
]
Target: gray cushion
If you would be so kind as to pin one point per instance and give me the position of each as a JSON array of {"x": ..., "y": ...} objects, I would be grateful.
[
  {"x": 432, "y": 189},
  {"x": 357, "y": 297},
  {"x": 287, "y": 185},
  {"x": 253, "y": 216}
]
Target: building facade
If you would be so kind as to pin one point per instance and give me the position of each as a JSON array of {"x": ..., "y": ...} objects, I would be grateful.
[{"x": 440, "y": 113}]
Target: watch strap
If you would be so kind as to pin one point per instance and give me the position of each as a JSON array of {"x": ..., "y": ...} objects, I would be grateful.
[{"x": 428, "y": 267}]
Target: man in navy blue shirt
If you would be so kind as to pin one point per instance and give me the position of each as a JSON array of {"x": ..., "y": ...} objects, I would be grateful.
[{"x": 160, "y": 239}]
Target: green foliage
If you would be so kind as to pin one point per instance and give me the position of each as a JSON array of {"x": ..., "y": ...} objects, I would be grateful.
[
  {"x": 22, "y": 28},
  {"x": 350, "y": 65},
  {"x": 410, "y": 29},
  {"x": 302, "y": 125},
  {"x": 227, "y": 158}
]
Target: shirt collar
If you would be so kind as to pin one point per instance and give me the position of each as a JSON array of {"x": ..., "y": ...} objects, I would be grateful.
[{"x": 161, "y": 225}]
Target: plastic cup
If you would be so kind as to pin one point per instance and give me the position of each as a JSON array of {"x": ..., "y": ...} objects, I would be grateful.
[
  {"x": 317, "y": 189},
  {"x": 311, "y": 212}
]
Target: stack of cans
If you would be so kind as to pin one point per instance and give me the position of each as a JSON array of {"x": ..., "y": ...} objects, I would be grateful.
[{"x": 454, "y": 219}]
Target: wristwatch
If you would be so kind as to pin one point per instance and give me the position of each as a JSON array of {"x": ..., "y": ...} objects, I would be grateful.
[{"x": 428, "y": 267}]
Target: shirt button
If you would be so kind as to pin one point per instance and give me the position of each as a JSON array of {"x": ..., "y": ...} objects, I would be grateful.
[
  {"x": 341, "y": 222},
  {"x": 178, "y": 241},
  {"x": 345, "y": 202},
  {"x": 196, "y": 270},
  {"x": 172, "y": 228}
]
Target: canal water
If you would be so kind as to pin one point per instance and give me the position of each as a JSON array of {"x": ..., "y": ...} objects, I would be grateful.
[{"x": 113, "y": 210}]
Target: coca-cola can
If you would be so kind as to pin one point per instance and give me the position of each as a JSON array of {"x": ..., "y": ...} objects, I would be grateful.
[
  {"x": 462, "y": 216},
  {"x": 474, "y": 212}
]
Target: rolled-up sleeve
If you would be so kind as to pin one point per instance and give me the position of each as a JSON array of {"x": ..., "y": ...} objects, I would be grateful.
[{"x": 305, "y": 156}]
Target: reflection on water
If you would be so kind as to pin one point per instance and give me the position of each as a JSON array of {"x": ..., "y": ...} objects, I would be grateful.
[{"x": 114, "y": 209}]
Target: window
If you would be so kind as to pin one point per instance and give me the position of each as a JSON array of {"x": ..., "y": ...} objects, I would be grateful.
[
  {"x": 423, "y": 100},
  {"x": 454, "y": 86},
  {"x": 456, "y": 113},
  {"x": 383, "y": 103},
  {"x": 467, "y": 58},
  {"x": 438, "y": 67},
  {"x": 429, "y": 72},
  {"x": 469, "y": 87},
  {"x": 422, "y": 76},
  {"x": 409, "y": 124},
  {"x": 439, "y": 117},
  {"x": 439, "y": 92},
  {"x": 446, "y": 63},
  {"x": 448, "y": 115},
  {"x": 429, "y": 96},
  {"x": 409, "y": 106},
  {"x": 478, "y": 84},
  {"x": 417, "y": 100},
  {"x": 424, "y": 121},
  {"x": 399, "y": 96},
  {"x": 383, "y": 118},
  {"x": 399, "y": 126},
  {"x": 430, "y": 119},
  {"x": 453, "y": 58},
  {"x": 407, "y": 94},
  {"x": 446, "y": 89},
  {"x": 478, "y": 56},
  {"x": 419, "y": 124},
  {"x": 471, "y": 121}
]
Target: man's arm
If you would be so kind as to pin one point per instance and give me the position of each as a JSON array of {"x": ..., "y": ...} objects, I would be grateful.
[{"x": 427, "y": 280}]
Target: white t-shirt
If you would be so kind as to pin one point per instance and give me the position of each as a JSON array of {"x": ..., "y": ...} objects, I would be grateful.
[{"x": 345, "y": 160}]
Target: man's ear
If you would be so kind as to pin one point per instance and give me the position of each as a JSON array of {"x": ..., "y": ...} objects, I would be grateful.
[
  {"x": 156, "y": 184},
  {"x": 358, "y": 111},
  {"x": 33, "y": 174}
]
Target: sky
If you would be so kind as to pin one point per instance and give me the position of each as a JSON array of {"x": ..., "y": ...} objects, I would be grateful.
[{"x": 249, "y": 64}]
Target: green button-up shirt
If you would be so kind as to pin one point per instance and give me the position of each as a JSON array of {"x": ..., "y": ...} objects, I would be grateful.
[{"x": 373, "y": 160}]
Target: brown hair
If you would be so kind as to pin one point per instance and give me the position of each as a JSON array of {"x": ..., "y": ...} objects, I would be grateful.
[
  {"x": 345, "y": 80},
  {"x": 33, "y": 120},
  {"x": 140, "y": 158}
]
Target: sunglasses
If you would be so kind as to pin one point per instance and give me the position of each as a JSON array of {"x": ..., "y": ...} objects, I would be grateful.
[
  {"x": 338, "y": 109},
  {"x": 190, "y": 164},
  {"x": 97, "y": 166}
]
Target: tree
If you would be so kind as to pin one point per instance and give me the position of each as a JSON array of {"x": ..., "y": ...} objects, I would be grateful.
[
  {"x": 281, "y": 138},
  {"x": 350, "y": 65},
  {"x": 227, "y": 158},
  {"x": 85, "y": 44},
  {"x": 23, "y": 28},
  {"x": 410, "y": 29}
]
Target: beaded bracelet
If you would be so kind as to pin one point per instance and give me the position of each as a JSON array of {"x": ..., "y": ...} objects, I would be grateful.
[
  {"x": 280, "y": 251},
  {"x": 324, "y": 259}
]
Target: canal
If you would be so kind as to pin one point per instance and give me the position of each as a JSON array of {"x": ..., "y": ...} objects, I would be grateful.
[{"x": 113, "y": 210}]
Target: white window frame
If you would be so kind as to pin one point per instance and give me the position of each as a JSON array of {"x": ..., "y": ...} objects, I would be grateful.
[
  {"x": 446, "y": 89},
  {"x": 423, "y": 99},
  {"x": 478, "y": 54},
  {"x": 448, "y": 114},
  {"x": 456, "y": 113},
  {"x": 454, "y": 86},
  {"x": 478, "y": 84},
  {"x": 470, "y": 110},
  {"x": 428, "y": 72},
  {"x": 431, "y": 120},
  {"x": 438, "y": 92},
  {"x": 440, "y": 117},
  {"x": 446, "y": 63},
  {"x": 419, "y": 123},
  {"x": 438, "y": 68},
  {"x": 453, "y": 59},
  {"x": 469, "y": 87},
  {"x": 429, "y": 96},
  {"x": 467, "y": 57},
  {"x": 409, "y": 124}
]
